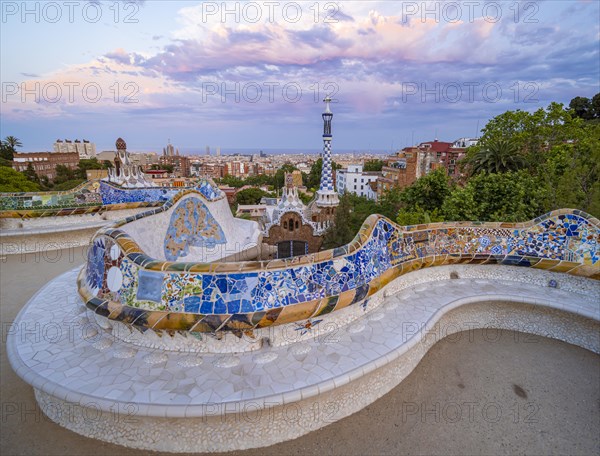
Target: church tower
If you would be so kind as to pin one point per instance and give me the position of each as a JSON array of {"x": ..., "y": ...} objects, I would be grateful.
[{"x": 327, "y": 198}]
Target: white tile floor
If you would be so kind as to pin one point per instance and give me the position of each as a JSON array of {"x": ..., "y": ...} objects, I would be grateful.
[{"x": 67, "y": 365}]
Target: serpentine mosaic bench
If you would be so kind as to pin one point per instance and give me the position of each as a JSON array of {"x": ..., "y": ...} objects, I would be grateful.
[
  {"x": 93, "y": 196},
  {"x": 180, "y": 356},
  {"x": 124, "y": 284}
]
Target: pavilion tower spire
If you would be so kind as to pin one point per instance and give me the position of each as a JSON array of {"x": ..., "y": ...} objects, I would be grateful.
[{"x": 326, "y": 195}]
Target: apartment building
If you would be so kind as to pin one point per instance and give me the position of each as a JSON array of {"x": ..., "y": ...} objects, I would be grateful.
[
  {"x": 45, "y": 163},
  {"x": 354, "y": 180}
]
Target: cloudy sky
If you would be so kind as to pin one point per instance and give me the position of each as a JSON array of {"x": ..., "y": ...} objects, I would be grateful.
[{"x": 253, "y": 74}]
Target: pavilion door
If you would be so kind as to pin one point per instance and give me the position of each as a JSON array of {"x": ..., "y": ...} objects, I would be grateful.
[{"x": 287, "y": 249}]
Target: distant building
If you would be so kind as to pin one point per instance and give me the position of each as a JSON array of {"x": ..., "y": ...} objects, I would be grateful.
[
  {"x": 465, "y": 142},
  {"x": 212, "y": 170},
  {"x": 92, "y": 174},
  {"x": 354, "y": 180},
  {"x": 252, "y": 211},
  {"x": 45, "y": 163},
  {"x": 180, "y": 164},
  {"x": 106, "y": 155},
  {"x": 84, "y": 148},
  {"x": 399, "y": 172},
  {"x": 236, "y": 168},
  {"x": 297, "y": 178},
  {"x": 229, "y": 193},
  {"x": 169, "y": 151},
  {"x": 411, "y": 163}
]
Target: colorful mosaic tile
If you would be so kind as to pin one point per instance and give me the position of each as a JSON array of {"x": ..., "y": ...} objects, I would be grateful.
[
  {"x": 191, "y": 224},
  {"x": 92, "y": 196},
  {"x": 253, "y": 295}
]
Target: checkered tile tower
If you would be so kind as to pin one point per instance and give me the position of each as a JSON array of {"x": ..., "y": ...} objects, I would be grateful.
[{"x": 326, "y": 195}]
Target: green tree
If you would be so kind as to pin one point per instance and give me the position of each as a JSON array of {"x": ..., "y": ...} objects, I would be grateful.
[
  {"x": 13, "y": 142},
  {"x": 532, "y": 134},
  {"x": 510, "y": 197},
  {"x": 14, "y": 181},
  {"x": 249, "y": 196},
  {"x": 259, "y": 179},
  {"x": 8, "y": 147},
  {"x": 498, "y": 156},
  {"x": 417, "y": 216},
  {"x": 582, "y": 107},
  {"x": 427, "y": 193},
  {"x": 6, "y": 153},
  {"x": 461, "y": 205},
  {"x": 305, "y": 198},
  {"x": 232, "y": 181},
  {"x": 87, "y": 164},
  {"x": 571, "y": 173},
  {"x": 31, "y": 174},
  {"x": 68, "y": 185},
  {"x": 64, "y": 174},
  {"x": 342, "y": 232},
  {"x": 390, "y": 203},
  {"x": 373, "y": 165},
  {"x": 596, "y": 106}
]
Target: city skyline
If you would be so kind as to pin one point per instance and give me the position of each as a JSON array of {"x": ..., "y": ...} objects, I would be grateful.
[{"x": 210, "y": 73}]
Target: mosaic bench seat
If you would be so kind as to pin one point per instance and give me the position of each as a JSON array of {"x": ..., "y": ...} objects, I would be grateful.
[
  {"x": 124, "y": 284},
  {"x": 93, "y": 196}
]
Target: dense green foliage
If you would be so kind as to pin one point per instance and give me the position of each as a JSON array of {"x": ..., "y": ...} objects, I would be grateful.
[
  {"x": 558, "y": 153},
  {"x": 304, "y": 197},
  {"x": 14, "y": 181},
  {"x": 509, "y": 197},
  {"x": 352, "y": 212},
  {"x": 250, "y": 196},
  {"x": 343, "y": 229},
  {"x": 498, "y": 156},
  {"x": 68, "y": 185},
  {"x": 67, "y": 178},
  {"x": 8, "y": 146},
  {"x": 585, "y": 108},
  {"x": 373, "y": 165}
]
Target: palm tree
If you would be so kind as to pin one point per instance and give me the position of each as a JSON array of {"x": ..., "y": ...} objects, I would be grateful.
[
  {"x": 12, "y": 142},
  {"x": 499, "y": 156}
]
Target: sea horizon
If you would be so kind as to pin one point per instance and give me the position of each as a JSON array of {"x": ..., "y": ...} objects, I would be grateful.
[{"x": 225, "y": 151}]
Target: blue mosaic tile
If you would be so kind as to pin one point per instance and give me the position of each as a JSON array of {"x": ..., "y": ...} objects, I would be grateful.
[
  {"x": 115, "y": 195},
  {"x": 570, "y": 238},
  {"x": 149, "y": 285},
  {"x": 191, "y": 224},
  {"x": 95, "y": 263}
]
